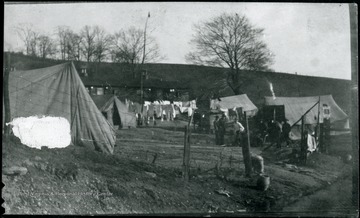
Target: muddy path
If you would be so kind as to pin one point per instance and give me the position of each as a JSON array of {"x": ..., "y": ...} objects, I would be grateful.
[{"x": 332, "y": 200}]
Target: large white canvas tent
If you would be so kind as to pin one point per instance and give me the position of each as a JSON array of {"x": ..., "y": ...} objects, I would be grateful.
[
  {"x": 295, "y": 107},
  {"x": 116, "y": 112},
  {"x": 58, "y": 91}
]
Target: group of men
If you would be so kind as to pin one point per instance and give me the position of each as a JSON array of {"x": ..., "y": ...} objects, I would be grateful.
[
  {"x": 276, "y": 131},
  {"x": 220, "y": 130}
]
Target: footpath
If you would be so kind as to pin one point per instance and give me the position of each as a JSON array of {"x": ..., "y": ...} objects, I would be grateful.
[{"x": 335, "y": 200}]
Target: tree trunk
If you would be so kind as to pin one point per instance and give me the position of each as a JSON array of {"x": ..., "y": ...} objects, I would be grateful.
[{"x": 233, "y": 81}]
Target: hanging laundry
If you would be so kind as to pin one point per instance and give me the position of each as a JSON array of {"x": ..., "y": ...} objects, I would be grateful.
[
  {"x": 178, "y": 103},
  {"x": 165, "y": 102},
  {"x": 177, "y": 110},
  {"x": 186, "y": 104},
  {"x": 183, "y": 109},
  {"x": 190, "y": 111},
  {"x": 311, "y": 142},
  {"x": 193, "y": 104},
  {"x": 158, "y": 110},
  {"x": 173, "y": 112},
  {"x": 151, "y": 110},
  {"x": 145, "y": 111}
]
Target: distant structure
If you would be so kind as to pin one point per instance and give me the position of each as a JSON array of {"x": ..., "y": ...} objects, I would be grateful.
[
  {"x": 83, "y": 70},
  {"x": 185, "y": 82}
]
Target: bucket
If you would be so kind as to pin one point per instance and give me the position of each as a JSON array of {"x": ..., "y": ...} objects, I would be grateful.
[{"x": 263, "y": 182}]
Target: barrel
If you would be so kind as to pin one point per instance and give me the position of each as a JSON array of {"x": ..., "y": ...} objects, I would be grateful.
[
  {"x": 263, "y": 182},
  {"x": 257, "y": 163}
]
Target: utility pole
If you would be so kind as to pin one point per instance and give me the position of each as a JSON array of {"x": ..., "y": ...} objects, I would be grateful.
[
  {"x": 143, "y": 59},
  {"x": 142, "y": 72},
  {"x": 142, "y": 91}
]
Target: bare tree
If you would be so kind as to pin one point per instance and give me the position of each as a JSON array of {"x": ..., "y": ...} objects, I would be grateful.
[
  {"x": 230, "y": 40},
  {"x": 29, "y": 36},
  {"x": 74, "y": 47},
  {"x": 63, "y": 38},
  {"x": 46, "y": 46},
  {"x": 34, "y": 43},
  {"x": 88, "y": 43},
  {"x": 127, "y": 47},
  {"x": 102, "y": 43}
]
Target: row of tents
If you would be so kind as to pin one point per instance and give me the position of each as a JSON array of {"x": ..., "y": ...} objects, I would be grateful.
[
  {"x": 293, "y": 108},
  {"x": 58, "y": 91}
]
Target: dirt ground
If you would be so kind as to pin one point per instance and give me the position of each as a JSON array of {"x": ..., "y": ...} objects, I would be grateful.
[{"x": 144, "y": 176}]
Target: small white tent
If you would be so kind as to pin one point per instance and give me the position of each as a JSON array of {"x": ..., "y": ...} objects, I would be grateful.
[
  {"x": 235, "y": 101},
  {"x": 116, "y": 112},
  {"x": 225, "y": 103}
]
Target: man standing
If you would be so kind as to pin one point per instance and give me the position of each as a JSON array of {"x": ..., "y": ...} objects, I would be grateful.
[
  {"x": 239, "y": 129},
  {"x": 263, "y": 131},
  {"x": 286, "y": 128},
  {"x": 274, "y": 133},
  {"x": 221, "y": 129},
  {"x": 279, "y": 133},
  {"x": 216, "y": 130}
]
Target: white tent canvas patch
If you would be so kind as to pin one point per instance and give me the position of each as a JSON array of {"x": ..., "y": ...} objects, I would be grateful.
[{"x": 35, "y": 132}]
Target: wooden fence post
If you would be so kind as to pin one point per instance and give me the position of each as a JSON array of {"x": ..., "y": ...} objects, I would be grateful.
[
  {"x": 303, "y": 143},
  {"x": 246, "y": 150},
  {"x": 186, "y": 157}
]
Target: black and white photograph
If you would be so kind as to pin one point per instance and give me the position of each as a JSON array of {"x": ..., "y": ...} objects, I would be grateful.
[{"x": 205, "y": 109}]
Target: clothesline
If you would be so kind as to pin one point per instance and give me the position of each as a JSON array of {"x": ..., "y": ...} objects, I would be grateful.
[{"x": 159, "y": 108}]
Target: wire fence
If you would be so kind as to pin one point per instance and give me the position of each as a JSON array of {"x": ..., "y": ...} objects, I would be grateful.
[{"x": 203, "y": 157}]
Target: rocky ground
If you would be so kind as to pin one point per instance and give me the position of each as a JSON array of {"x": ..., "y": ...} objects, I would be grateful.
[{"x": 144, "y": 176}]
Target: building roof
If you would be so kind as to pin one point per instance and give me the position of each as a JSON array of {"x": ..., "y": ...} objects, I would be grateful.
[{"x": 156, "y": 83}]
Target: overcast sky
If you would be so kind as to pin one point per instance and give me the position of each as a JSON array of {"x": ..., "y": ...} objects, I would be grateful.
[{"x": 310, "y": 39}]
